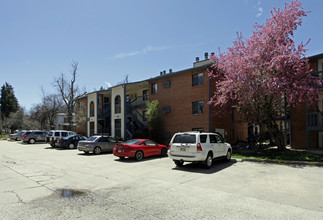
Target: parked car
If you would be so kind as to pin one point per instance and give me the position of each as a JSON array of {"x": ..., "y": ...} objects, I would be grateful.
[
  {"x": 139, "y": 148},
  {"x": 97, "y": 144},
  {"x": 198, "y": 147},
  {"x": 70, "y": 141},
  {"x": 53, "y": 135},
  {"x": 16, "y": 136},
  {"x": 32, "y": 137}
]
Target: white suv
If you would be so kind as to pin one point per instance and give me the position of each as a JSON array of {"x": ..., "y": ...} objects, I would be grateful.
[
  {"x": 53, "y": 135},
  {"x": 198, "y": 147}
]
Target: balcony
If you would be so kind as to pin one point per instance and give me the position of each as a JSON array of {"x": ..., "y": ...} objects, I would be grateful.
[
  {"x": 105, "y": 111},
  {"x": 314, "y": 121}
]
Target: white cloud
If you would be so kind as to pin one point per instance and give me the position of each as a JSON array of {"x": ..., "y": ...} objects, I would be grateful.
[
  {"x": 108, "y": 84},
  {"x": 140, "y": 52},
  {"x": 260, "y": 9}
]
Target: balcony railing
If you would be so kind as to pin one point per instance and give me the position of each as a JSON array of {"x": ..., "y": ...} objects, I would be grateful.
[
  {"x": 315, "y": 121},
  {"x": 140, "y": 101}
]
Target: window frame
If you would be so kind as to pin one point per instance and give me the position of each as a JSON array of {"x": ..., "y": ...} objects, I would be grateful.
[
  {"x": 197, "y": 79},
  {"x": 154, "y": 88},
  {"x": 197, "y": 107},
  {"x": 117, "y": 105}
]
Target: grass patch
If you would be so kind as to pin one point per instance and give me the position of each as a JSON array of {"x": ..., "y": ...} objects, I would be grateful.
[
  {"x": 273, "y": 154},
  {"x": 3, "y": 136}
]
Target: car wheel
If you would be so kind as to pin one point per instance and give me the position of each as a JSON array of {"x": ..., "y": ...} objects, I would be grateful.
[
  {"x": 121, "y": 158},
  {"x": 179, "y": 163},
  {"x": 86, "y": 152},
  {"x": 163, "y": 152},
  {"x": 208, "y": 161},
  {"x": 228, "y": 157},
  {"x": 71, "y": 146},
  {"x": 31, "y": 141},
  {"x": 139, "y": 155},
  {"x": 97, "y": 150}
]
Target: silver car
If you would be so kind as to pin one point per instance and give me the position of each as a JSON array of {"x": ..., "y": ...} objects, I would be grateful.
[
  {"x": 16, "y": 136},
  {"x": 32, "y": 137},
  {"x": 97, "y": 144}
]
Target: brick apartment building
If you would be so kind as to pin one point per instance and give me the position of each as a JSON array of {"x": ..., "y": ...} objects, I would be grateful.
[
  {"x": 307, "y": 121},
  {"x": 183, "y": 98}
]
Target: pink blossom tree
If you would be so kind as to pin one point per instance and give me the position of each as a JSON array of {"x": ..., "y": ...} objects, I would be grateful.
[{"x": 258, "y": 75}]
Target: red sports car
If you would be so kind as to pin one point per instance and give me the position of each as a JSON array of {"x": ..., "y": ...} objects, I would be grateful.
[{"x": 139, "y": 148}]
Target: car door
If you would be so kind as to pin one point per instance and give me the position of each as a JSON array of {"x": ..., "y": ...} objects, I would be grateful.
[
  {"x": 74, "y": 140},
  {"x": 38, "y": 135},
  {"x": 112, "y": 143},
  {"x": 221, "y": 145},
  {"x": 217, "y": 148},
  {"x": 103, "y": 143},
  {"x": 151, "y": 148},
  {"x": 43, "y": 137}
]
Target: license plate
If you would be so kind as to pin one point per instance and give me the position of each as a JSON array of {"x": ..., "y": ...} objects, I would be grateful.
[
  {"x": 182, "y": 149},
  {"x": 119, "y": 151}
]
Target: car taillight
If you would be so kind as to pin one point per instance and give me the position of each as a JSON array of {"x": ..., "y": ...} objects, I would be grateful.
[
  {"x": 62, "y": 141},
  {"x": 25, "y": 135},
  {"x": 169, "y": 147},
  {"x": 198, "y": 147}
]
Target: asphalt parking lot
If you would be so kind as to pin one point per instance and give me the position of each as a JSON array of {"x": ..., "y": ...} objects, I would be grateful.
[{"x": 39, "y": 182}]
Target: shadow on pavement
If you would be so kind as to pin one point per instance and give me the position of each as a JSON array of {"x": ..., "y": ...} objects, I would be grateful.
[
  {"x": 198, "y": 167},
  {"x": 133, "y": 160}
]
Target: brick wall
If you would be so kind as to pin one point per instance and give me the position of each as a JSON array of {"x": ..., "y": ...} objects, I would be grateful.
[{"x": 180, "y": 96}]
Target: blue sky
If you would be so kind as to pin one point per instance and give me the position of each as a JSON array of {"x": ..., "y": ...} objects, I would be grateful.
[{"x": 40, "y": 39}]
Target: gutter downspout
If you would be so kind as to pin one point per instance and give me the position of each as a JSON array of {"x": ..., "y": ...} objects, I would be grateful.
[
  {"x": 97, "y": 113},
  {"x": 208, "y": 106},
  {"x": 124, "y": 111}
]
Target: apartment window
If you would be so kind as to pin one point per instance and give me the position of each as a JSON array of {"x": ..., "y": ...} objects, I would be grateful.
[
  {"x": 197, "y": 107},
  {"x": 99, "y": 100},
  {"x": 117, "y": 104},
  {"x": 197, "y": 79},
  {"x": 80, "y": 104},
  {"x": 166, "y": 109},
  {"x": 166, "y": 135},
  {"x": 92, "y": 109},
  {"x": 166, "y": 84},
  {"x": 154, "y": 88}
]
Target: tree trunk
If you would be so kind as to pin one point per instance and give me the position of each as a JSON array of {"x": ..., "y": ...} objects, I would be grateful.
[{"x": 277, "y": 135}]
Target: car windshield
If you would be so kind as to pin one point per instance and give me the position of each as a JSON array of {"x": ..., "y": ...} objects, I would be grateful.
[
  {"x": 93, "y": 138},
  {"x": 132, "y": 142},
  {"x": 185, "y": 138}
]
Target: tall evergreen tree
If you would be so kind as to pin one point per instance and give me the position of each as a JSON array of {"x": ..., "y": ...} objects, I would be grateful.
[{"x": 8, "y": 101}]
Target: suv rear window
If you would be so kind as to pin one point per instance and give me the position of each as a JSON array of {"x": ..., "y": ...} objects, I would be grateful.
[{"x": 185, "y": 138}]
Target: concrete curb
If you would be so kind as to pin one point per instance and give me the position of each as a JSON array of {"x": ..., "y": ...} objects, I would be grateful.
[{"x": 297, "y": 163}]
